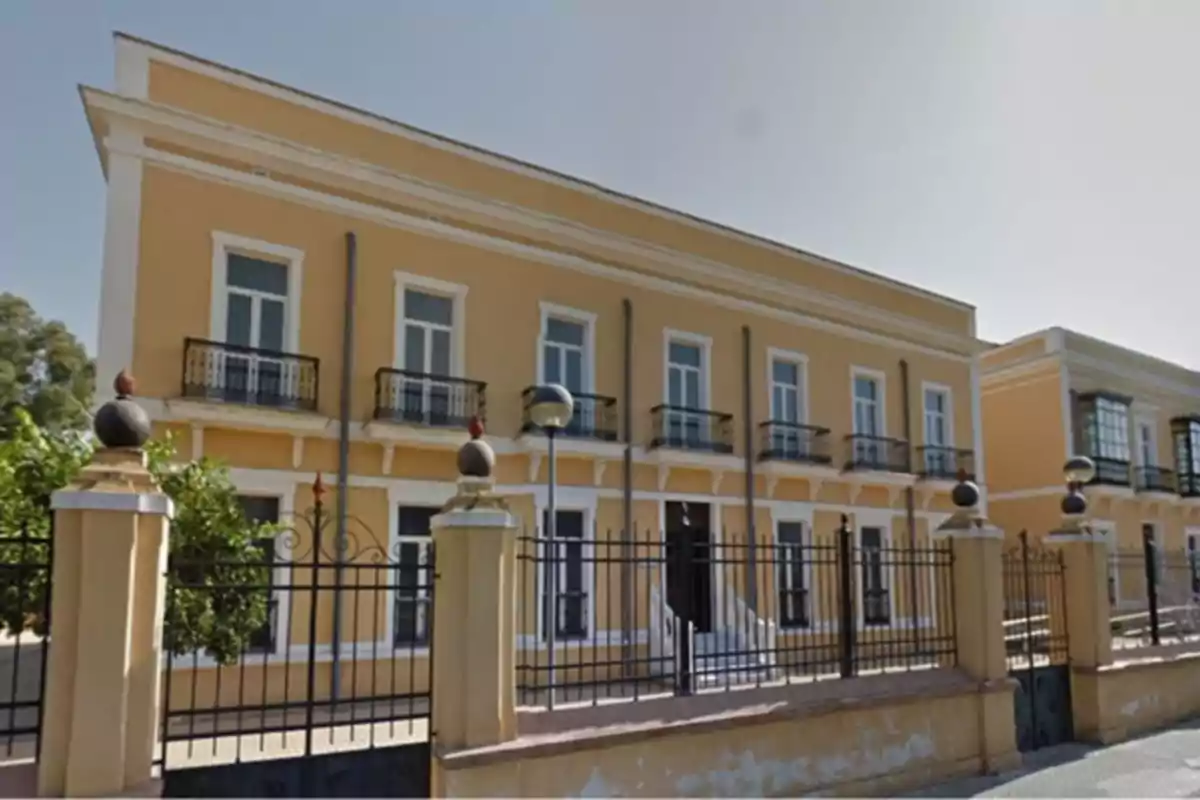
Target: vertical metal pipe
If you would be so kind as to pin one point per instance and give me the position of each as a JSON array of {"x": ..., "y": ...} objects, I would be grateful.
[
  {"x": 748, "y": 458},
  {"x": 551, "y": 569},
  {"x": 910, "y": 513},
  {"x": 343, "y": 455},
  {"x": 627, "y": 555}
]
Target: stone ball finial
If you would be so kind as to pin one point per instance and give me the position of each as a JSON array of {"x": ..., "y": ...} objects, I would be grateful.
[
  {"x": 965, "y": 493},
  {"x": 1074, "y": 504},
  {"x": 476, "y": 459},
  {"x": 122, "y": 422}
]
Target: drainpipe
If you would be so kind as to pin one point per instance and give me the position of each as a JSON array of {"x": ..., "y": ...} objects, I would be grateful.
[
  {"x": 627, "y": 590},
  {"x": 748, "y": 457},
  {"x": 343, "y": 457},
  {"x": 909, "y": 506}
]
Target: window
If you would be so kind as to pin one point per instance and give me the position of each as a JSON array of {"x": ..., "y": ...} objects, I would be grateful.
[
  {"x": 414, "y": 578},
  {"x": 428, "y": 330},
  {"x": 792, "y": 577},
  {"x": 571, "y": 581},
  {"x": 877, "y": 606},
  {"x": 868, "y": 420},
  {"x": 1187, "y": 447},
  {"x": 1106, "y": 429},
  {"x": 1193, "y": 552},
  {"x": 1147, "y": 446},
  {"x": 264, "y": 511},
  {"x": 686, "y": 394},
  {"x": 787, "y": 407},
  {"x": 566, "y": 357},
  {"x": 939, "y": 436},
  {"x": 256, "y": 319}
]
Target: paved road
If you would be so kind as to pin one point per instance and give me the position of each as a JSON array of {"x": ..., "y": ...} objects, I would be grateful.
[{"x": 1165, "y": 764}]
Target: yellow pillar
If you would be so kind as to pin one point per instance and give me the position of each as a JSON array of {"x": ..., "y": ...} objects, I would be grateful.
[
  {"x": 979, "y": 628},
  {"x": 100, "y": 712}
]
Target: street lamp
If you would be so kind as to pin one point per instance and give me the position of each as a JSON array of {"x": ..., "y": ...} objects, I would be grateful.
[
  {"x": 550, "y": 409},
  {"x": 1078, "y": 471}
]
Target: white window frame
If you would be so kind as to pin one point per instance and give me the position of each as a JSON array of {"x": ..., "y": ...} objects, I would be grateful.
[
  {"x": 568, "y": 501},
  {"x": 1141, "y": 421},
  {"x": 800, "y": 360},
  {"x": 882, "y": 521},
  {"x": 806, "y": 541},
  {"x": 947, "y": 394},
  {"x": 292, "y": 258},
  {"x": 880, "y": 379},
  {"x": 705, "y": 344},
  {"x": 585, "y": 318},
  {"x": 457, "y": 293},
  {"x": 407, "y": 493}
]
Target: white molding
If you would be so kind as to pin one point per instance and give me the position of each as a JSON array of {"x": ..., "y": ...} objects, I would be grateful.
[
  {"x": 132, "y": 502},
  {"x": 585, "y": 318},
  {"x": 881, "y": 378},
  {"x": 131, "y": 69},
  {"x": 801, "y": 361},
  {"x": 479, "y": 155},
  {"x": 475, "y": 518},
  {"x": 457, "y": 293},
  {"x": 232, "y": 415},
  {"x": 1025, "y": 494},
  {"x": 224, "y": 243},
  {"x": 122, "y": 246},
  {"x": 320, "y": 200}
]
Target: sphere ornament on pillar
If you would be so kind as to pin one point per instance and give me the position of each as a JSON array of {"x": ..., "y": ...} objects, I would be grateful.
[
  {"x": 476, "y": 459},
  {"x": 122, "y": 423},
  {"x": 965, "y": 496},
  {"x": 476, "y": 465},
  {"x": 1077, "y": 471}
]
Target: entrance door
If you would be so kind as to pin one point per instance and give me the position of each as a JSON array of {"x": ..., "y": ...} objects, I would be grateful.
[{"x": 689, "y": 565}]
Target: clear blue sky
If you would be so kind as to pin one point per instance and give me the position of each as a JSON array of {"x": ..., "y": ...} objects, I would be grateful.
[{"x": 1039, "y": 158}]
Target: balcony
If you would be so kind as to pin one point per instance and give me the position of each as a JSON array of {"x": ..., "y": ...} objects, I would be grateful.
[
  {"x": 679, "y": 428},
  {"x": 1111, "y": 472},
  {"x": 595, "y": 417},
  {"x": 249, "y": 376},
  {"x": 793, "y": 443},
  {"x": 435, "y": 401},
  {"x": 945, "y": 463},
  {"x": 876, "y": 453},
  {"x": 1189, "y": 484},
  {"x": 1155, "y": 479}
]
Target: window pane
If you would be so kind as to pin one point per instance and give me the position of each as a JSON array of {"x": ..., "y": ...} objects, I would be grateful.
[
  {"x": 259, "y": 509},
  {"x": 691, "y": 396},
  {"x": 270, "y": 325},
  {"x": 791, "y": 532},
  {"x": 872, "y": 538},
  {"x": 256, "y": 274},
  {"x": 414, "y": 348},
  {"x": 551, "y": 364},
  {"x": 237, "y": 319},
  {"x": 675, "y": 387},
  {"x": 865, "y": 388},
  {"x": 786, "y": 372},
  {"x": 574, "y": 376},
  {"x": 935, "y": 401},
  {"x": 426, "y": 307},
  {"x": 440, "y": 353},
  {"x": 414, "y": 520},
  {"x": 564, "y": 332},
  {"x": 684, "y": 354}
]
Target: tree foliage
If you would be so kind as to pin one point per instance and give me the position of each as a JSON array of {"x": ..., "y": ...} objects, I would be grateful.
[{"x": 44, "y": 369}]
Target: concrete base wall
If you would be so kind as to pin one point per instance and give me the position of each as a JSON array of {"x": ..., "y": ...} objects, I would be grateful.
[{"x": 1146, "y": 690}]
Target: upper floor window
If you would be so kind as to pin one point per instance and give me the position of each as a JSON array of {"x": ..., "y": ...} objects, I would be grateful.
[
  {"x": 256, "y": 303},
  {"x": 685, "y": 375},
  {"x": 1186, "y": 432},
  {"x": 1104, "y": 425},
  {"x": 428, "y": 332},
  {"x": 939, "y": 431},
  {"x": 566, "y": 354},
  {"x": 868, "y": 405},
  {"x": 787, "y": 389}
]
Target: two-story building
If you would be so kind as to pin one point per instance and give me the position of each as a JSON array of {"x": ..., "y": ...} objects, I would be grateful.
[
  {"x": 1055, "y": 393},
  {"x": 302, "y": 287}
]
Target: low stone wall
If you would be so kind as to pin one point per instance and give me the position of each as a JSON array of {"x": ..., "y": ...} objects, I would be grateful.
[
  {"x": 876, "y": 735},
  {"x": 1145, "y": 690}
]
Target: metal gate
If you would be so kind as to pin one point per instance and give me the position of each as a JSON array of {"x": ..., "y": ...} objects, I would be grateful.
[
  {"x": 301, "y": 673},
  {"x": 1035, "y": 639}
]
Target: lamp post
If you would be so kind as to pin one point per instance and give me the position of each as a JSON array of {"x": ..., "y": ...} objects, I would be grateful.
[{"x": 550, "y": 409}]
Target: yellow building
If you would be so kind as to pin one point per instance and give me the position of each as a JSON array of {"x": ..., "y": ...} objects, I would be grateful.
[
  {"x": 1055, "y": 393},
  {"x": 301, "y": 287}
]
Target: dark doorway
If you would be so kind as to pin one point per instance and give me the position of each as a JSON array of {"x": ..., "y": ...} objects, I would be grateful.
[{"x": 689, "y": 563}]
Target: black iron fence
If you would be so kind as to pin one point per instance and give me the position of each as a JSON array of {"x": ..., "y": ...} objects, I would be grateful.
[
  {"x": 419, "y": 398},
  {"x": 26, "y": 564},
  {"x": 249, "y": 375},
  {"x": 791, "y": 441},
  {"x": 595, "y": 416},
  {"x": 1035, "y": 621},
  {"x": 1111, "y": 471},
  {"x": 1154, "y": 596},
  {"x": 610, "y": 617},
  {"x": 299, "y": 652}
]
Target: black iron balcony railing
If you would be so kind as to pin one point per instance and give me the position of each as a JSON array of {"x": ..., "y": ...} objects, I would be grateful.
[
  {"x": 877, "y": 453},
  {"x": 595, "y": 417},
  {"x": 683, "y": 428},
  {"x": 1111, "y": 472},
  {"x": 250, "y": 376},
  {"x": 1189, "y": 484},
  {"x": 418, "y": 398},
  {"x": 1155, "y": 479},
  {"x": 791, "y": 441},
  {"x": 945, "y": 463}
]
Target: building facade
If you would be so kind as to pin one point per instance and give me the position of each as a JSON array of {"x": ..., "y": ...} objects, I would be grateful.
[
  {"x": 1055, "y": 393},
  {"x": 301, "y": 287}
]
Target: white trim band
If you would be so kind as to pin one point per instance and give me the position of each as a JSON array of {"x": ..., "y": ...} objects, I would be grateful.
[{"x": 139, "y": 503}]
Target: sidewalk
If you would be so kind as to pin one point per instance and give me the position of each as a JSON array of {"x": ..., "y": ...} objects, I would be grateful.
[{"x": 1163, "y": 764}]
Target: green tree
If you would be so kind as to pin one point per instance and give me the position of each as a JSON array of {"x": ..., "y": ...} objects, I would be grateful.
[{"x": 44, "y": 370}]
